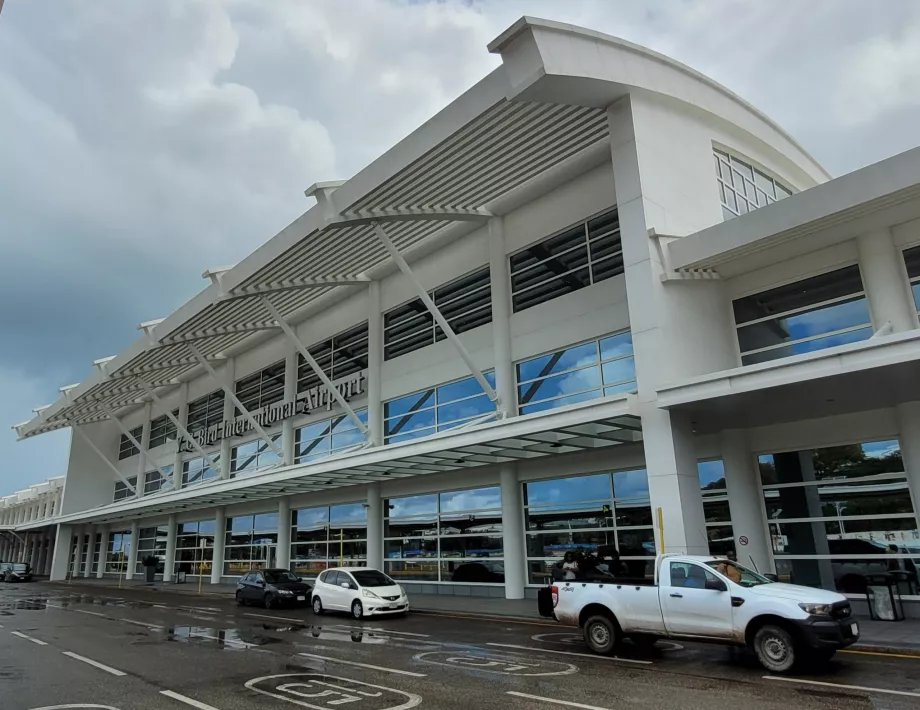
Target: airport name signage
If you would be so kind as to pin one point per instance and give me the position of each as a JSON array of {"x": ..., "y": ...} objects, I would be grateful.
[{"x": 306, "y": 402}]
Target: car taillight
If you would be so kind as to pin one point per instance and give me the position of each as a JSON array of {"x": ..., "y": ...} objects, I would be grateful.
[{"x": 555, "y": 596}]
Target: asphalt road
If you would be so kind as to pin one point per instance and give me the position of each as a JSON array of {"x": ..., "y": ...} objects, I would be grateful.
[{"x": 148, "y": 650}]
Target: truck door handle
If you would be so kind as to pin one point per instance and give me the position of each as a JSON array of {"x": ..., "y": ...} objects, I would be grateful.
[{"x": 679, "y": 596}]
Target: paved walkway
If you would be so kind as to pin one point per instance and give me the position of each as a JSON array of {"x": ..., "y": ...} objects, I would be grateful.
[{"x": 881, "y": 636}]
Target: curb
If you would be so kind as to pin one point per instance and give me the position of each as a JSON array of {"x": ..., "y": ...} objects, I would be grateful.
[{"x": 885, "y": 650}]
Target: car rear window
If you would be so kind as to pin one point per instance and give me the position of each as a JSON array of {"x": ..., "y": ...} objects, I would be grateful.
[{"x": 372, "y": 578}]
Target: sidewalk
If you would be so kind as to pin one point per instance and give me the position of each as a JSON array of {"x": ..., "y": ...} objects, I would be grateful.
[{"x": 902, "y": 637}]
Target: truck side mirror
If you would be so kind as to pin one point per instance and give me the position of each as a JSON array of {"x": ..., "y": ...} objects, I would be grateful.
[{"x": 716, "y": 585}]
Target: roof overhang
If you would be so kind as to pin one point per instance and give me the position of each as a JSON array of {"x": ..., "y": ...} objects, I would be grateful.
[
  {"x": 880, "y": 195},
  {"x": 593, "y": 425},
  {"x": 874, "y": 374}
]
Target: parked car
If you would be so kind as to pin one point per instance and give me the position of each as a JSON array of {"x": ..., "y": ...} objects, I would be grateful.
[
  {"x": 360, "y": 591},
  {"x": 15, "y": 572},
  {"x": 703, "y": 599},
  {"x": 272, "y": 588}
]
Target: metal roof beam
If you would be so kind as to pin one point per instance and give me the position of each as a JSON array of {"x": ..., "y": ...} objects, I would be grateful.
[
  {"x": 166, "y": 365},
  {"x": 408, "y": 214},
  {"x": 296, "y": 284},
  {"x": 206, "y": 333}
]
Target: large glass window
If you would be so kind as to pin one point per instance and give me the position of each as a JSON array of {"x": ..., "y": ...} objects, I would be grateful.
[
  {"x": 118, "y": 551},
  {"x": 162, "y": 430},
  {"x": 195, "y": 547},
  {"x": 912, "y": 261},
  {"x": 321, "y": 439},
  {"x": 251, "y": 543},
  {"x": 151, "y": 542},
  {"x": 121, "y": 491},
  {"x": 328, "y": 536},
  {"x": 155, "y": 483},
  {"x": 253, "y": 456},
  {"x": 585, "y": 512},
  {"x": 839, "y": 513},
  {"x": 465, "y": 303},
  {"x": 447, "y": 537},
  {"x": 743, "y": 188},
  {"x": 715, "y": 508},
  {"x": 199, "y": 470},
  {"x": 339, "y": 356},
  {"x": 437, "y": 409},
  {"x": 125, "y": 448},
  {"x": 813, "y": 314},
  {"x": 261, "y": 388},
  {"x": 205, "y": 412},
  {"x": 577, "y": 374},
  {"x": 579, "y": 256}
]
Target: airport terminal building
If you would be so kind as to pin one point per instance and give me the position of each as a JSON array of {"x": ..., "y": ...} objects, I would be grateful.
[{"x": 598, "y": 299}]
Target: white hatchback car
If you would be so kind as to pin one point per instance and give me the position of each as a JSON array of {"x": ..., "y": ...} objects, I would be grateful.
[{"x": 360, "y": 591}]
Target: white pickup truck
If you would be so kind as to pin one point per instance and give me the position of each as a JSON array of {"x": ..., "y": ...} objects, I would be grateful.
[{"x": 708, "y": 599}]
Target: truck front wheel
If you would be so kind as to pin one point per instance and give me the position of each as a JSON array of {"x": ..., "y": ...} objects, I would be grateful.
[
  {"x": 600, "y": 634},
  {"x": 775, "y": 648}
]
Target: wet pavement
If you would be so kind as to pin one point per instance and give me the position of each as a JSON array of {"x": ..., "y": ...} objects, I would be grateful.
[{"x": 146, "y": 650}]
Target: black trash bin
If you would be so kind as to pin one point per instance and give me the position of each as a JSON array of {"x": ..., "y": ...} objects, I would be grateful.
[{"x": 883, "y": 597}]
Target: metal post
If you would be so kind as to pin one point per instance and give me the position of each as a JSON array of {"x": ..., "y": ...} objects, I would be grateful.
[
  {"x": 138, "y": 445},
  {"x": 289, "y": 332},
  {"x": 374, "y": 365},
  {"x": 438, "y": 317},
  {"x": 290, "y": 394},
  {"x": 500, "y": 284},
  {"x": 89, "y": 442},
  {"x": 228, "y": 391},
  {"x": 145, "y": 445}
]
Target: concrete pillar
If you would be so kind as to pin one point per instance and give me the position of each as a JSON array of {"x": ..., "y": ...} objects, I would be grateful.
[
  {"x": 374, "y": 365},
  {"x": 744, "y": 501},
  {"x": 220, "y": 539},
  {"x": 291, "y": 361},
  {"x": 283, "y": 550},
  {"x": 374, "y": 526},
  {"x": 170, "y": 562},
  {"x": 35, "y": 551},
  {"x": 183, "y": 420},
  {"x": 674, "y": 481},
  {"x": 881, "y": 265},
  {"x": 90, "y": 549},
  {"x": 500, "y": 281},
  {"x": 77, "y": 551},
  {"x": 228, "y": 373},
  {"x": 513, "y": 532},
  {"x": 132, "y": 550},
  {"x": 60, "y": 558},
  {"x": 103, "y": 551},
  {"x": 145, "y": 447},
  {"x": 49, "y": 551},
  {"x": 909, "y": 437}
]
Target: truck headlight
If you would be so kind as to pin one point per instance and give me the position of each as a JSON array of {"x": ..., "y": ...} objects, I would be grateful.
[{"x": 816, "y": 609}]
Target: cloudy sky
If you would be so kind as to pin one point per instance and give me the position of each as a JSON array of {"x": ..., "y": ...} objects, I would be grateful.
[{"x": 142, "y": 142}]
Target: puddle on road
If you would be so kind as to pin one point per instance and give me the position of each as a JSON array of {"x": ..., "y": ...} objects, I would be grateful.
[{"x": 230, "y": 639}]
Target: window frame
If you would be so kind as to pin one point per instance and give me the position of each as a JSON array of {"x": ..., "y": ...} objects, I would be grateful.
[
  {"x": 126, "y": 449},
  {"x": 729, "y": 158},
  {"x": 330, "y": 348}
]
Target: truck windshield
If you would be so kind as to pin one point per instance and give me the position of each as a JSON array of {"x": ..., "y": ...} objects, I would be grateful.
[{"x": 739, "y": 574}]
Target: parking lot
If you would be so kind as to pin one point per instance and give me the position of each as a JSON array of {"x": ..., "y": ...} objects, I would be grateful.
[{"x": 144, "y": 650}]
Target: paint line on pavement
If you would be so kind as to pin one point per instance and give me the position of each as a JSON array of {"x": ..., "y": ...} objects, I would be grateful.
[
  {"x": 382, "y": 631},
  {"x": 28, "y": 638},
  {"x": 572, "y": 653},
  {"x": 553, "y": 700},
  {"x": 886, "y": 654},
  {"x": 152, "y": 627},
  {"x": 97, "y": 664},
  {"x": 363, "y": 665},
  {"x": 823, "y": 684},
  {"x": 91, "y": 613},
  {"x": 188, "y": 701},
  {"x": 279, "y": 618}
]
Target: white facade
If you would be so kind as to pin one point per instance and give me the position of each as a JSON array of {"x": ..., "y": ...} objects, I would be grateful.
[{"x": 641, "y": 380}]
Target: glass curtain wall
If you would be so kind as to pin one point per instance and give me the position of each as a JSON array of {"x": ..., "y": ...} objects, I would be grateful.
[
  {"x": 119, "y": 548},
  {"x": 328, "y": 536},
  {"x": 253, "y": 456},
  {"x": 199, "y": 470},
  {"x": 839, "y": 513},
  {"x": 195, "y": 547},
  {"x": 321, "y": 439},
  {"x": 715, "y": 508},
  {"x": 912, "y": 262},
  {"x": 151, "y": 541},
  {"x": 251, "y": 542},
  {"x": 445, "y": 537}
]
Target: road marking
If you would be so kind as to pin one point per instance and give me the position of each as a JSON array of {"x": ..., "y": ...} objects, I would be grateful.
[
  {"x": 137, "y": 623},
  {"x": 67, "y": 707},
  {"x": 363, "y": 665},
  {"x": 302, "y": 622},
  {"x": 913, "y": 657},
  {"x": 497, "y": 664},
  {"x": 91, "y": 613},
  {"x": 381, "y": 631},
  {"x": 841, "y": 685},
  {"x": 553, "y": 700},
  {"x": 300, "y": 688},
  {"x": 504, "y": 620},
  {"x": 90, "y": 661},
  {"x": 28, "y": 638},
  {"x": 572, "y": 653},
  {"x": 188, "y": 701}
]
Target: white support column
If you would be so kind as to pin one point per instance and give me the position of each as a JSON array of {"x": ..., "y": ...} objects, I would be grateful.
[
  {"x": 505, "y": 382},
  {"x": 75, "y": 562},
  {"x": 34, "y": 560},
  {"x": 283, "y": 550},
  {"x": 290, "y": 394},
  {"x": 220, "y": 539},
  {"x": 745, "y": 501},
  {"x": 884, "y": 276},
  {"x": 103, "y": 551},
  {"x": 170, "y": 562},
  {"x": 226, "y": 444},
  {"x": 132, "y": 550},
  {"x": 374, "y": 365},
  {"x": 909, "y": 438},
  {"x": 60, "y": 557},
  {"x": 513, "y": 532},
  {"x": 90, "y": 550},
  {"x": 142, "y": 461},
  {"x": 181, "y": 422},
  {"x": 374, "y": 527},
  {"x": 49, "y": 552}
]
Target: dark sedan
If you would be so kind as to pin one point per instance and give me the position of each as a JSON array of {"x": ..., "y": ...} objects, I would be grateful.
[
  {"x": 15, "y": 572},
  {"x": 272, "y": 588}
]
